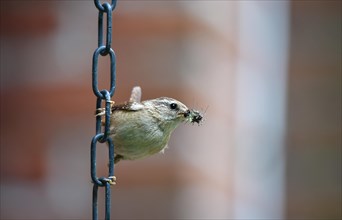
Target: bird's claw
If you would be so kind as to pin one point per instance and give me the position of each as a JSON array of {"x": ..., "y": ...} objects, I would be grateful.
[
  {"x": 112, "y": 180},
  {"x": 102, "y": 111},
  {"x": 111, "y": 103}
]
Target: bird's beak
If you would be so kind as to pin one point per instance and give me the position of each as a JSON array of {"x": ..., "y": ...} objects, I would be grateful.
[{"x": 186, "y": 113}]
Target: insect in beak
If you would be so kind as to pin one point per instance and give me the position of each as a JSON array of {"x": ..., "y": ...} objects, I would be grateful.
[{"x": 196, "y": 118}]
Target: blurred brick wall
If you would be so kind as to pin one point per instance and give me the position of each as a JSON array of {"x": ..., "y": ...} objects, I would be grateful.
[
  {"x": 314, "y": 111},
  {"x": 179, "y": 49},
  {"x": 47, "y": 109}
]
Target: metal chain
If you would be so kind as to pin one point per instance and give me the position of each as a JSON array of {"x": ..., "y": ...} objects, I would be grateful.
[{"x": 103, "y": 96}]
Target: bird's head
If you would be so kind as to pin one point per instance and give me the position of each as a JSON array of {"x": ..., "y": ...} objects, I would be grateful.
[
  {"x": 171, "y": 112},
  {"x": 168, "y": 109}
]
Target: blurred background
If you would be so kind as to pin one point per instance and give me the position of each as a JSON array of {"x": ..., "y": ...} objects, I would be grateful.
[{"x": 267, "y": 74}]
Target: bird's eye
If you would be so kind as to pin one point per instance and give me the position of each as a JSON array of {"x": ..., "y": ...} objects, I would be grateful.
[{"x": 173, "y": 106}]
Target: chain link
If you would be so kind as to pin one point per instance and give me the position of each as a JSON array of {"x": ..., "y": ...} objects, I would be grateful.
[{"x": 103, "y": 96}]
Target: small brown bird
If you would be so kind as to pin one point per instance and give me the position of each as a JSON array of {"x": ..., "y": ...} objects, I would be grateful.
[{"x": 140, "y": 129}]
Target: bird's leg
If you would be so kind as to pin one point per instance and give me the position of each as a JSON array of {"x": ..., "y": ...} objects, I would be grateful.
[{"x": 102, "y": 111}]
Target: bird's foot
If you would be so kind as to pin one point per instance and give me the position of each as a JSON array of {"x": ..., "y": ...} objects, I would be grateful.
[
  {"x": 112, "y": 180},
  {"x": 102, "y": 111}
]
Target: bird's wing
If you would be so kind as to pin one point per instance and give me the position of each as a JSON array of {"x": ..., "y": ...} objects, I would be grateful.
[
  {"x": 128, "y": 106},
  {"x": 135, "y": 95},
  {"x": 134, "y": 103}
]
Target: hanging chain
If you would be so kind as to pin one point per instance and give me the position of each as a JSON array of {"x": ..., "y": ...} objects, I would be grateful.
[{"x": 103, "y": 96}]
